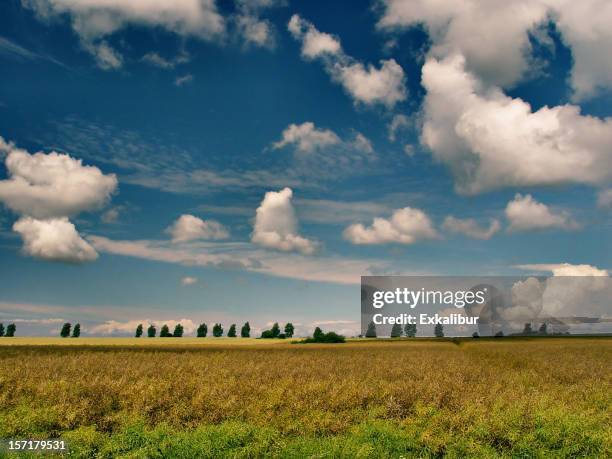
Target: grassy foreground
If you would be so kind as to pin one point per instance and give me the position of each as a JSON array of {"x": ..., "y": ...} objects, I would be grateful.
[{"x": 499, "y": 398}]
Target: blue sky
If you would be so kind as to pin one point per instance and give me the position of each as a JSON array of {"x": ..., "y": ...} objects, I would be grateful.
[{"x": 411, "y": 113}]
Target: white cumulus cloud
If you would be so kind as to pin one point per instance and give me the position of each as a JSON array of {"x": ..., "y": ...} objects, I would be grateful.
[
  {"x": 254, "y": 30},
  {"x": 276, "y": 225},
  {"x": 371, "y": 85},
  {"x": 93, "y": 20},
  {"x": 566, "y": 269},
  {"x": 406, "y": 226},
  {"x": 45, "y": 189},
  {"x": 307, "y": 137},
  {"x": 190, "y": 228},
  {"x": 490, "y": 140},
  {"x": 574, "y": 290},
  {"x": 54, "y": 239},
  {"x": 314, "y": 42},
  {"x": 494, "y": 36},
  {"x": 525, "y": 213},
  {"x": 366, "y": 84},
  {"x": 52, "y": 185}
]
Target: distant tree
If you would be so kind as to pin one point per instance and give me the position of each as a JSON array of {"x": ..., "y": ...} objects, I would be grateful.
[
  {"x": 475, "y": 335},
  {"x": 371, "y": 331},
  {"x": 138, "y": 331},
  {"x": 410, "y": 330},
  {"x": 231, "y": 333},
  {"x": 543, "y": 330},
  {"x": 76, "y": 331},
  {"x": 65, "y": 331},
  {"x": 499, "y": 334},
  {"x": 217, "y": 330},
  {"x": 267, "y": 334},
  {"x": 245, "y": 332},
  {"x": 333, "y": 337},
  {"x": 289, "y": 330},
  {"x": 151, "y": 331},
  {"x": 275, "y": 330},
  {"x": 320, "y": 337},
  {"x": 1, "y": 329},
  {"x": 202, "y": 331},
  {"x": 10, "y": 330},
  {"x": 439, "y": 331},
  {"x": 396, "y": 331},
  {"x": 164, "y": 332},
  {"x": 527, "y": 330},
  {"x": 281, "y": 336},
  {"x": 178, "y": 331}
]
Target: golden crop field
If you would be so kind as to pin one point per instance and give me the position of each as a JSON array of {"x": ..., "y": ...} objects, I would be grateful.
[
  {"x": 121, "y": 341},
  {"x": 409, "y": 398}
]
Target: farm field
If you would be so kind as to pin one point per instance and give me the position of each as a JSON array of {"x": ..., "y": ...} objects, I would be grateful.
[
  {"x": 190, "y": 398},
  {"x": 121, "y": 341}
]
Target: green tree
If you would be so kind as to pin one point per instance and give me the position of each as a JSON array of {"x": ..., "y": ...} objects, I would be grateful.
[
  {"x": 410, "y": 330},
  {"x": 275, "y": 330},
  {"x": 245, "y": 332},
  {"x": 318, "y": 334},
  {"x": 527, "y": 330},
  {"x": 439, "y": 331},
  {"x": 289, "y": 330},
  {"x": 1, "y": 329},
  {"x": 231, "y": 333},
  {"x": 267, "y": 334},
  {"x": 217, "y": 330},
  {"x": 10, "y": 330},
  {"x": 371, "y": 331},
  {"x": 178, "y": 331},
  {"x": 164, "y": 332},
  {"x": 139, "y": 331},
  {"x": 202, "y": 331},
  {"x": 76, "y": 331},
  {"x": 151, "y": 331},
  {"x": 396, "y": 331},
  {"x": 65, "y": 331}
]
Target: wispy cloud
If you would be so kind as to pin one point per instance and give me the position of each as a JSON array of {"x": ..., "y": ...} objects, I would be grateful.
[
  {"x": 153, "y": 162},
  {"x": 12, "y": 50},
  {"x": 183, "y": 80},
  {"x": 242, "y": 255}
]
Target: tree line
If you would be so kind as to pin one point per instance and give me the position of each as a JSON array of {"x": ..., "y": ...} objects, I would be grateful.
[
  {"x": 217, "y": 331},
  {"x": 9, "y": 331},
  {"x": 409, "y": 331}
]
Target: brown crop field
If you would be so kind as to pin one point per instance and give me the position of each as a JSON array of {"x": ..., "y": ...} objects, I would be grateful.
[{"x": 410, "y": 398}]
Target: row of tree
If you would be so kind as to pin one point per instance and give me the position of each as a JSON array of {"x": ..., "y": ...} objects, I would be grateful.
[
  {"x": 164, "y": 331},
  {"x": 409, "y": 331},
  {"x": 217, "y": 331},
  {"x": 275, "y": 332},
  {"x": 9, "y": 331},
  {"x": 65, "y": 330},
  {"x": 528, "y": 330}
]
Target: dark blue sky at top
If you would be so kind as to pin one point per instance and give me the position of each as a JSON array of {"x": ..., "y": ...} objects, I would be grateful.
[{"x": 238, "y": 103}]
